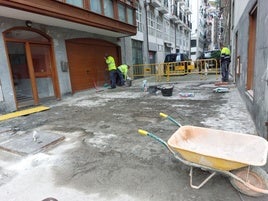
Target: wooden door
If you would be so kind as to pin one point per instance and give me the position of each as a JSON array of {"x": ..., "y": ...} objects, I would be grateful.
[{"x": 86, "y": 62}]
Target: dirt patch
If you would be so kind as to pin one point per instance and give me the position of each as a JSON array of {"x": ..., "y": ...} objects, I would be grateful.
[{"x": 104, "y": 158}]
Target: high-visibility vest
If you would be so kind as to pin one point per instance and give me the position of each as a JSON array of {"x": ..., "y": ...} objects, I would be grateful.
[
  {"x": 225, "y": 50},
  {"x": 110, "y": 62},
  {"x": 225, "y": 54},
  {"x": 123, "y": 68}
]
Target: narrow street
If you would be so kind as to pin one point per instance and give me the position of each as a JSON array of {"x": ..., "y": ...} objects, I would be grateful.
[{"x": 102, "y": 157}]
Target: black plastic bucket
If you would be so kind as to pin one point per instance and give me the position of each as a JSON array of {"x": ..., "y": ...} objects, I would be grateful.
[{"x": 167, "y": 90}]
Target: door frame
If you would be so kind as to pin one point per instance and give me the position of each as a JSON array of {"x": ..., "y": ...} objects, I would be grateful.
[{"x": 27, "y": 43}]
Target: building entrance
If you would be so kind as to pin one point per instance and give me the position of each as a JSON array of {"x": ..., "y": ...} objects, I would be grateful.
[{"x": 31, "y": 65}]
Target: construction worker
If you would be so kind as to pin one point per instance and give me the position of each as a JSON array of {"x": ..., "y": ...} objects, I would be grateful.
[
  {"x": 225, "y": 61},
  {"x": 122, "y": 73},
  {"x": 112, "y": 70}
]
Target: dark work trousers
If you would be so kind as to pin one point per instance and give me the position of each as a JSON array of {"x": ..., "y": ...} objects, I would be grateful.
[
  {"x": 225, "y": 70},
  {"x": 121, "y": 80},
  {"x": 113, "y": 78}
]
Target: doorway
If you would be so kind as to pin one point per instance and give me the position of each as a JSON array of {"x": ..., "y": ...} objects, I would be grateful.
[
  {"x": 32, "y": 66},
  {"x": 251, "y": 50},
  {"x": 86, "y": 62}
]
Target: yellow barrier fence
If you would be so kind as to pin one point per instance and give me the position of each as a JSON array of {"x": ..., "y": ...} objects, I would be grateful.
[
  {"x": 208, "y": 66},
  {"x": 161, "y": 70}
]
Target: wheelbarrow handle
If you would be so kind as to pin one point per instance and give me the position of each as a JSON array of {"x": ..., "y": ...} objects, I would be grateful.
[
  {"x": 170, "y": 118},
  {"x": 144, "y": 132},
  {"x": 163, "y": 115}
]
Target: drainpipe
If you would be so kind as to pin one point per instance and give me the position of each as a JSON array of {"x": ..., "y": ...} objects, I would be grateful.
[
  {"x": 176, "y": 26},
  {"x": 147, "y": 32}
]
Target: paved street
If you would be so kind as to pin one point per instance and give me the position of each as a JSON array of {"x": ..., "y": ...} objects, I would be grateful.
[{"x": 102, "y": 157}]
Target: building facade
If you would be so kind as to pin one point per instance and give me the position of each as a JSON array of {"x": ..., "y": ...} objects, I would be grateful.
[
  {"x": 250, "y": 57},
  {"x": 52, "y": 48},
  {"x": 163, "y": 27},
  {"x": 207, "y": 26},
  {"x": 199, "y": 16}
]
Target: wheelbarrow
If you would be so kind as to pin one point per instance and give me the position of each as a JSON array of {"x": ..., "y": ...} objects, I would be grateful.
[{"x": 235, "y": 155}]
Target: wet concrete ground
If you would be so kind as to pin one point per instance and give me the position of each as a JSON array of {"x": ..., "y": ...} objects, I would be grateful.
[{"x": 104, "y": 158}]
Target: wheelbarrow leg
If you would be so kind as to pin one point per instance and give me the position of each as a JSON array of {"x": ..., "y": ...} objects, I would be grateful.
[{"x": 203, "y": 183}]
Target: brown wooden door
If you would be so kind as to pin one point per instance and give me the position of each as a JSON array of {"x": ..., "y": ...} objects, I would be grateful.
[
  {"x": 32, "y": 66},
  {"x": 87, "y": 64}
]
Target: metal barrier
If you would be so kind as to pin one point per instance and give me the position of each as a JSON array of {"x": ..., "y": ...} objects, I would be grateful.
[
  {"x": 161, "y": 70},
  {"x": 206, "y": 66},
  {"x": 178, "y": 68},
  {"x": 147, "y": 70}
]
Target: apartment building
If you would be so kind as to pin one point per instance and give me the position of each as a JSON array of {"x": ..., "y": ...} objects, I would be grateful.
[
  {"x": 199, "y": 24},
  {"x": 54, "y": 47},
  {"x": 225, "y": 22},
  {"x": 213, "y": 22},
  {"x": 249, "y": 43},
  {"x": 163, "y": 27},
  {"x": 207, "y": 33}
]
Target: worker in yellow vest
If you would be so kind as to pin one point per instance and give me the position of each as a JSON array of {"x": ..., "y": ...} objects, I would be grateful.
[
  {"x": 112, "y": 70},
  {"x": 225, "y": 62},
  {"x": 122, "y": 73}
]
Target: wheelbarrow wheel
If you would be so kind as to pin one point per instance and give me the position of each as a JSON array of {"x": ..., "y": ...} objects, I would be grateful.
[{"x": 256, "y": 176}]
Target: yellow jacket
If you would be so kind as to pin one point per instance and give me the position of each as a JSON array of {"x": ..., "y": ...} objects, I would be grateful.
[
  {"x": 110, "y": 62},
  {"x": 225, "y": 51},
  {"x": 225, "y": 54},
  {"x": 124, "y": 69}
]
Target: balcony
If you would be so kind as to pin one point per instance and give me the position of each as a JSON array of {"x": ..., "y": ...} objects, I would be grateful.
[
  {"x": 187, "y": 10},
  {"x": 164, "y": 7},
  {"x": 182, "y": 2},
  {"x": 155, "y": 3},
  {"x": 163, "y": 10},
  {"x": 178, "y": 21},
  {"x": 60, "y": 14},
  {"x": 174, "y": 18}
]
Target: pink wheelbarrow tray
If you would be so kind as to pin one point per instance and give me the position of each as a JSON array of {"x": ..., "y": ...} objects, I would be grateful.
[{"x": 235, "y": 155}]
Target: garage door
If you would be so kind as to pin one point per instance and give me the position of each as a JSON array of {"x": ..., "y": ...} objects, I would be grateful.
[{"x": 86, "y": 62}]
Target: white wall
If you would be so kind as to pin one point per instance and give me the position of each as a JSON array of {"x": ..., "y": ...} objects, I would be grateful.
[{"x": 194, "y": 4}]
